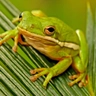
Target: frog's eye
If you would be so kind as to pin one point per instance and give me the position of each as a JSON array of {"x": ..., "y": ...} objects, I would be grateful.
[
  {"x": 20, "y": 16},
  {"x": 49, "y": 30}
]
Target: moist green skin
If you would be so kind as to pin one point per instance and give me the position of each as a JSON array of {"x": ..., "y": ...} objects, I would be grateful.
[{"x": 51, "y": 47}]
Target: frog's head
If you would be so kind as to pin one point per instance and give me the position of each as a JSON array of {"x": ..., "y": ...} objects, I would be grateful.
[{"x": 47, "y": 28}]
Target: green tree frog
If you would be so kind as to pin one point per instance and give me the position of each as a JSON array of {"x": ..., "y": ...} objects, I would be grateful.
[{"x": 54, "y": 39}]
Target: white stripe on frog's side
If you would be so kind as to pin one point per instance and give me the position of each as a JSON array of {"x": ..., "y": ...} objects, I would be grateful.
[
  {"x": 69, "y": 45},
  {"x": 35, "y": 36}
]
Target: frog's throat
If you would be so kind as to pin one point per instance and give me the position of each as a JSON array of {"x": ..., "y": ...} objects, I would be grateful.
[{"x": 61, "y": 44}]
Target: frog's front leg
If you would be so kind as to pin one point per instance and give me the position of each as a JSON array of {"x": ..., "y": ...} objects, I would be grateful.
[
  {"x": 59, "y": 68},
  {"x": 12, "y": 34},
  {"x": 9, "y": 34},
  {"x": 80, "y": 62}
]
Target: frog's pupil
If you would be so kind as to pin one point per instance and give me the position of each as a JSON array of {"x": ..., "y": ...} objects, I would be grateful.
[{"x": 50, "y": 29}]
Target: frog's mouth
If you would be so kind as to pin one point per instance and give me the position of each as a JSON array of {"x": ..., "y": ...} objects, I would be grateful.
[{"x": 45, "y": 40}]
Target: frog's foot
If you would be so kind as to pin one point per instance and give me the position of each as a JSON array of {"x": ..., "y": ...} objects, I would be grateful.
[
  {"x": 81, "y": 79},
  {"x": 41, "y": 72},
  {"x": 11, "y": 34},
  {"x": 57, "y": 69}
]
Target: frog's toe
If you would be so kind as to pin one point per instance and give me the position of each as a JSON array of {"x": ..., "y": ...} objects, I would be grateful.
[
  {"x": 84, "y": 81},
  {"x": 73, "y": 77},
  {"x": 81, "y": 79},
  {"x": 38, "y": 72},
  {"x": 41, "y": 72}
]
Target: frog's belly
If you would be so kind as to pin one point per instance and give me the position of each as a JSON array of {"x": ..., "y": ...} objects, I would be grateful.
[{"x": 52, "y": 51}]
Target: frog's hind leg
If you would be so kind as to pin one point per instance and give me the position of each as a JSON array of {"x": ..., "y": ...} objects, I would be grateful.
[
  {"x": 80, "y": 62},
  {"x": 59, "y": 68},
  {"x": 81, "y": 76}
]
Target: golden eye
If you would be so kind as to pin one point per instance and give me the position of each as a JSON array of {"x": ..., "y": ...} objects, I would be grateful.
[{"x": 49, "y": 30}]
